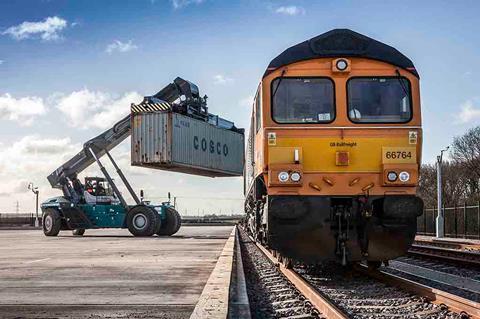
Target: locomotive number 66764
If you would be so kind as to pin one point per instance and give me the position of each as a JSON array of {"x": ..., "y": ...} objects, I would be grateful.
[{"x": 334, "y": 150}]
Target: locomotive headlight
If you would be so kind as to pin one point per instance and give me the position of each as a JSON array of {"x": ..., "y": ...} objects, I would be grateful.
[
  {"x": 404, "y": 176},
  {"x": 392, "y": 176},
  {"x": 295, "y": 177},
  {"x": 283, "y": 176},
  {"x": 342, "y": 65}
]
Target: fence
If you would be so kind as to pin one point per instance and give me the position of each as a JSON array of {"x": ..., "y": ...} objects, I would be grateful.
[
  {"x": 460, "y": 222},
  {"x": 13, "y": 219}
]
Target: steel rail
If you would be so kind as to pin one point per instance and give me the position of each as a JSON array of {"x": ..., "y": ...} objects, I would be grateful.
[
  {"x": 462, "y": 245},
  {"x": 460, "y": 305},
  {"x": 320, "y": 302},
  {"x": 455, "y": 255}
]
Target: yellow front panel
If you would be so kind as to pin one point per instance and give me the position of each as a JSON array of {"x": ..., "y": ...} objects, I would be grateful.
[
  {"x": 366, "y": 154},
  {"x": 282, "y": 155}
]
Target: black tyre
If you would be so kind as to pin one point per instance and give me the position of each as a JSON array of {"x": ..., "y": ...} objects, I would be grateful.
[
  {"x": 169, "y": 224},
  {"x": 143, "y": 221},
  {"x": 78, "y": 232},
  {"x": 179, "y": 221},
  {"x": 51, "y": 222}
]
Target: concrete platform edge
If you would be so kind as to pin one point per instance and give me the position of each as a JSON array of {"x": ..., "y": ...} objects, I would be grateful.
[
  {"x": 213, "y": 302},
  {"x": 239, "y": 306}
]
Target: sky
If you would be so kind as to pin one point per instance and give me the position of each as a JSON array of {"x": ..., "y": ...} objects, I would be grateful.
[{"x": 70, "y": 69}]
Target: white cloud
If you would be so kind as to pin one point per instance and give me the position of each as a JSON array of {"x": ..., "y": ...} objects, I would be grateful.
[
  {"x": 47, "y": 30},
  {"x": 178, "y": 4},
  {"x": 22, "y": 110},
  {"x": 469, "y": 112},
  {"x": 119, "y": 46},
  {"x": 1, "y": 62},
  {"x": 31, "y": 159},
  {"x": 85, "y": 108},
  {"x": 222, "y": 79},
  {"x": 290, "y": 10},
  {"x": 246, "y": 102}
]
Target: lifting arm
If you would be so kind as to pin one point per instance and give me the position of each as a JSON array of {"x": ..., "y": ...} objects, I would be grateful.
[
  {"x": 182, "y": 96},
  {"x": 98, "y": 145}
]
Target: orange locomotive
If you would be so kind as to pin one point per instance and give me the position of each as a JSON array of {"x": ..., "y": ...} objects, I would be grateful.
[{"x": 334, "y": 151}]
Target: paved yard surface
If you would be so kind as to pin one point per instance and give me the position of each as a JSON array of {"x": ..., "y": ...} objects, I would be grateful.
[{"x": 106, "y": 273}]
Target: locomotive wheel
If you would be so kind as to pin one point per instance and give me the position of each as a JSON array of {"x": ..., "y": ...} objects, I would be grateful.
[
  {"x": 143, "y": 221},
  {"x": 373, "y": 264},
  {"x": 287, "y": 262},
  {"x": 51, "y": 223},
  {"x": 78, "y": 232},
  {"x": 169, "y": 226}
]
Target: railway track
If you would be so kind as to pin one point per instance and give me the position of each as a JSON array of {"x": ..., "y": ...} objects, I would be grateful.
[
  {"x": 363, "y": 293},
  {"x": 319, "y": 301},
  {"x": 452, "y": 243},
  {"x": 445, "y": 251},
  {"x": 464, "y": 307}
]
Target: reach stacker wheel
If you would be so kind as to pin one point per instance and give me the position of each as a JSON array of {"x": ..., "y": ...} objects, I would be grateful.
[
  {"x": 171, "y": 224},
  {"x": 143, "y": 221},
  {"x": 78, "y": 232},
  {"x": 179, "y": 221},
  {"x": 51, "y": 222}
]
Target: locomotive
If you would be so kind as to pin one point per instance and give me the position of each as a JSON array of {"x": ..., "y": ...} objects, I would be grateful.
[{"x": 334, "y": 150}]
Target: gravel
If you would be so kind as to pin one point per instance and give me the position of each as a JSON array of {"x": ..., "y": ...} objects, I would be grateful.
[
  {"x": 444, "y": 266},
  {"x": 363, "y": 297},
  {"x": 270, "y": 294},
  {"x": 439, "y": 268}
]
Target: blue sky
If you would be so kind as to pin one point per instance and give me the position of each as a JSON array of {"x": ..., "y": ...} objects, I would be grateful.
[{"x": 74, "y": 53}]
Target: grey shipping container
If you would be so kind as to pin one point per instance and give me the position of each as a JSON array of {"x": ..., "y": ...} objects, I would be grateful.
[{"x": 174, "y": 142}]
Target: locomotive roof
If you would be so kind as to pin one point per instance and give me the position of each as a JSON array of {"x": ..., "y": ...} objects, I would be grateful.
[{"x": 342, "y": 43}]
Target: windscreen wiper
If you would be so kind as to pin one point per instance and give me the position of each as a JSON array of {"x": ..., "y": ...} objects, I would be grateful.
[
  {"x": 399, "y": 78},
  {"x": 279, "y": 82}
]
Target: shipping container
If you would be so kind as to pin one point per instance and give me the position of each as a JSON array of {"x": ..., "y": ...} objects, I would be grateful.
[{"x": 175, "y": 142}]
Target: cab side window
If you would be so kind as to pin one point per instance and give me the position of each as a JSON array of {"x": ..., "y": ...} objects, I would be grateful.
[{"x": 258, "y": 111}]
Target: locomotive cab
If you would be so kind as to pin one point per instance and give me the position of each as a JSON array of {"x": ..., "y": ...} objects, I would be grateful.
[{"x": 334, "y": 151}]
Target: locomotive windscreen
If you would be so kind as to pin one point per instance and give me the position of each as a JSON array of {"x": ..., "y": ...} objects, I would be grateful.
[
  {"x": 379, "y": 100},
  {"x": 303, "y": 100}
]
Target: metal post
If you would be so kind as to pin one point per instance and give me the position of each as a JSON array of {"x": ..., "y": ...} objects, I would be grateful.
[
  {"x": 440, "y": 222},
  {"x": 124, "y": 179},
  {"x": 425, "y": 221},
  {"x": 109, "y": 179},
  {"x": 35, "y": 191},
  {"x": 455, "y": 220},
  {"x": 37, "y": 223},
  {"x": 465, "y": 220},
  {"x": 445, "y": 223},
  {"x": 478, "y": 220},
  {"x": 440, "y": 218}
]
